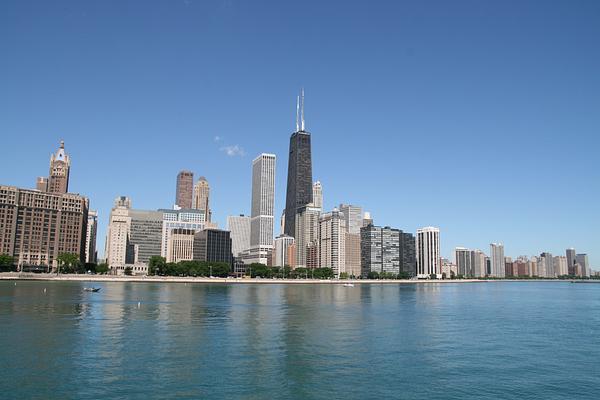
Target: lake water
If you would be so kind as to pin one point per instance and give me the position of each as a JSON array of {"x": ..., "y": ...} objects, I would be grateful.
[{"x": 198, "y": 341}]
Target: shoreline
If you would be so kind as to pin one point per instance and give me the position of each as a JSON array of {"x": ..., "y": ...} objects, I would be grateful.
[{"x": 16, "y": 276}]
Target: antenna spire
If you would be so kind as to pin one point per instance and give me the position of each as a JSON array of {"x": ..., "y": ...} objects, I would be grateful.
[
  {"x": 297, "y": 113},
  {"x": 302, "y": 109}
]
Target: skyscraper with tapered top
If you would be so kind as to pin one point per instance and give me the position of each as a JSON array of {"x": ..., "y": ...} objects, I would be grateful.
[
  {"x": 60, "y": 166},
  {"x": 299, "y": 182}
]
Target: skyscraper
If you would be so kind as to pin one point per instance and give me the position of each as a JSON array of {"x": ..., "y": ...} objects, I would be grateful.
[
  {"x": 353, "y": 216},
  {"x": 299, "y": 180},
  {"x": 463, "y": 261},
  {"x": 307, "y": 236},
  {"x": 584, "y": 264},
  {"x": 318, "y": 195},
  {"x": 184, "y": 189},
  {"x": 571, "y": 255},
  {"x": 239, "y": 226},
  {"x": 117, "y": 234},
  {"x": 202, "y": 197},
  {"x": 60, "y": 166},
  {"x": 263, "y": 203},
  {"x": 332, "y": 244},
  {"x": 428, "y": 252},
  {"x": 90, "y": 237},
  {"x": 497, "y": 260}
]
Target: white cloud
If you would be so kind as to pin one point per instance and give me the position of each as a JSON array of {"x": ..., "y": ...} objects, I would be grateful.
[
  {"x": 217, "y": 138},
  {"x": 233, "y": 151}
]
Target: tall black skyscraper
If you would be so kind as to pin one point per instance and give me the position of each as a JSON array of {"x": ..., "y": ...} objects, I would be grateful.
[{"x": 299, "y": 183}]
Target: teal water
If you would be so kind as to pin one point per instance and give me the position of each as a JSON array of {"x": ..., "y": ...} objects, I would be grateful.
[{"x": 435, "y": 341}]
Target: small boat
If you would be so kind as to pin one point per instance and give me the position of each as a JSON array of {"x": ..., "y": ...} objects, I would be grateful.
[
  {"x": 91, "y": 289},
  {"x": 348, "y": 284}
]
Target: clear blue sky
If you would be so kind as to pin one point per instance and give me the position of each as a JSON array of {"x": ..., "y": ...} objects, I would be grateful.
[{"x": 479, "y": 117}]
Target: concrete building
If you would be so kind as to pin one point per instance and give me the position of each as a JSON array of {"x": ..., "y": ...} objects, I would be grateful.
[
  {"x": 353, "y": 267},
  {"x": 41, "y": 184},
  {"x": 478, "y": 262},
  {"x": 117, "y": 234},
  {"x": 318, "y": 195},
  {"x": 307, "y": 236},
  {"x": 213, "y": 245},
  {"x": 583, "y": 262},
  {"x": 386, "y": 250},
  {"x": 145, "y": 234},
  {"x": 497, "y": 260},
  {"x": 179, "y": 218},
  {"x": 180, "y": 246},
  {"x": 353, "y": 216},
  {"x": 60, "y": 166},
  {"x": 428, "y": 252},
  {"x": 463, "y": 259},
  {"x": 239, "y": 226},
  {"x": 299, "y": 180},
  {"x": 263, "y": 205},
  {"x": 201, "y": 198},
  {"x": 91, "y": 255},
  {"x": 332, "y": 241},
  {"x": 184, "y": 189},
  {"x": 35, "y": 227},
  {"x": 281, "y": 251},
  {"x": 561, "y": 266},
  {"x": 547, "y": 262},
  {"x": 571, "y": 255}
]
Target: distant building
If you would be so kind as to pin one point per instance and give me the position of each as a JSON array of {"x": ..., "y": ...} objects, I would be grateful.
[
  {"x": 367, "y": 219},
  {"x": 307, "y": 236},
  {"x": 184, "y": 189},
  {"x": 60, "y": 166},
  {"x": 212, "y": 245},
  {"x": 386, "y": 250},
  {"x": 318, "y": 195},
  {"x": 546, "y": 266},
  {"x": 145, "y": 234},
  {"x": 281, "y": 251},
  {"x": 117, "y": 235},
  {"x": 583, "y": 262},
  {"x": 91, "y": 255},
  {"x": 239, "y": 226},
  {"x": 180, "y": 246},
  {"x": 478, "y": 262},
  {"x": 571, "y": 255},
  {"x": 464, "y": 262},
  {"x": 201, "y": 198},
  {"x": 428, "y": 252},
  {"x": 180, "y": 218},
  {"x": 561, "y": 267},
  {"x": 353, "y": 267},
  {"x": 332, "y": 246},
  {"x": 497, "y": 260},
  {"x": 353, "y": 216}
]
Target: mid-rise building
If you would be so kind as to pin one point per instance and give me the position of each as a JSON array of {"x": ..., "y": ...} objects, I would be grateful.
[
  {"x": 497, "y": 260},
  {"x": 201, "y": 199},
  {"x": 91, "y": 255},
  {"x": 239, "y": 226},
  {"x": 145, "y": 234},
  {"x": 282, "y": 251},
  {"x": 180, "y": 218},
  {"x": 332, "y": 245},
  {"x": 184, "y": 189},
  {"x": 180, "y": 246},
  {"x": 212, "y": 245},
  {"x": 428, "y": 252},
  {"x": 263, "y": 205},
  {"x": 36, "y": 227}
]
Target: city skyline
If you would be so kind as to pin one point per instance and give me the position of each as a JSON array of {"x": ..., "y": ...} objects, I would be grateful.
[{"x": 496, "y": 101}]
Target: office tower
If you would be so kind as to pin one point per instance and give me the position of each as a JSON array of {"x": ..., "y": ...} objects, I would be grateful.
[
  {"x": 353, "y": 267},
  {"x": 561, "y": 267},
  {"x": 212, "y": 245},
  {"x": 145, "y": 234},
  {"x": 281, "y": 251},
  {"x": 262, "y": 217},
  {"x": 497, "y": 260},
  {"x": 202, "y": 197},
  {"x": 570, "y": 253},
  {"x": 307, "y": 236},
  {"x": 463, "y": 261},
  {"x": 478, "y": 262},
  {"x": 117, "y": 234},
  {"x": 583, "y": 262},
  {"x": 332, "y": 246},
  {"x": 180, "y": 246},
  {"x": 60, "y": 166},
  {"x": 91, "y": 256},
  {"x": 35, "y": 227},
  {"x": 428, "y": 252},
  {"x": 380, "y": 250},
  {"x": 367, "y": 220},
  {"x": 299, "y": 180},
  {"x": 41, "y": 184},
  {"x": 353, "y": 216},
  {"x": 239, "y": 228},
  {"x": 184, "y": 189},
  {"x": 317, "y": 195},
  {"x": 180, "y": 219}
]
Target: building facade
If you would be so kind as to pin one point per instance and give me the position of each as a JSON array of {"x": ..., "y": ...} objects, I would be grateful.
[
  {"x": 307, "y": 236},
  {"x": 497, "y": 260},
  {"x": 239, "y": 227},
  {"x": 213, "y": 245},
  {"x": 332, "y": 242},
  {"x": 262, "y": 219},
  {"x": 317, "y": 195},
  {"x": 179, "y": 218},
  {"x": 184, "y": 189},
  {"x": 201, "y": 200},
  {"x": 180, "y": 246},
  {"x": 91, "y": 255},
  {"x": 428, "y": 252},
  {"x": 281, "y": 251}
]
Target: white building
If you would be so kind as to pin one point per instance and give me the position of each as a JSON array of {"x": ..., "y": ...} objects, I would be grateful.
[
  {"x": 561, "y": 265},
  {"x": 239, "y": 228},
  {"x": 332, "y": 241},
  {"x": 497, "y": 260},
  {"x": 117, "y": 234},
  {"x": 428, "y": 252},
  {"x": 318, "y": 195},
  {"x": 263, "y": 203},
  {"x": 280, "y": 249},
  {"x": 180, "y": 246},
  {"x": 307, "y": 235},
  {"x": 180, "y": 219},
  {"x": 201, "y": 198}
]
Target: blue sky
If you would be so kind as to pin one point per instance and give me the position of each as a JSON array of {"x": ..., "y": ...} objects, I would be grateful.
[{"x": 479, "y": 117}]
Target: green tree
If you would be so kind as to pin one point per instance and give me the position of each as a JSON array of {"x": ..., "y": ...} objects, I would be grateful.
[
  {"x": 68, "y": 263},
  {"x": 156, "y": 264},
  {"x": 128, "y": 271},
  {"x": 373, "y": 275},
  {"x": 102, "y": 268},
  {"x": 344, "y": 275},
  {"x": 6, "y": 262}
]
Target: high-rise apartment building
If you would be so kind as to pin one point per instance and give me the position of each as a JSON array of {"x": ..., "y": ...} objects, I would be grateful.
[
  {"x": 184, "y": 189},
  {"x": 91, "y": 255},
  {"x": 497, "y": 260},
  {"x": 35, "y": 227},
  {"x": 212, "y": 245},
  {"x": 332, "y": 241},
  {"x": 386, "y": 250},
  {"x": 353, "y": 268},
  {"x": 571, "y": 255},
  {"x": 547, "y": 266},
  {"x": 201, "y": 200},
  {"x": 180, "y": 246},
  {"x": 281, "y": 251},
  {"x": 353, "y": 216},
  {"x": 117, "y": 234},
  {"x": 239, "y": 228},
  {"x": 463, "y": 259},
  {"x": 60, "y": 166},
  {"x": 263, "y": 206},
  {"x": 307, "y": 236},
  {"x": 584, "y": 264},
  {"x": 318, "y": 195},
  {"x": 299, "y": 180},
  {"x": 428, "y": 252},
  {"x": 561, "y": 266},
  {"x": 478, "y": 262}
]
